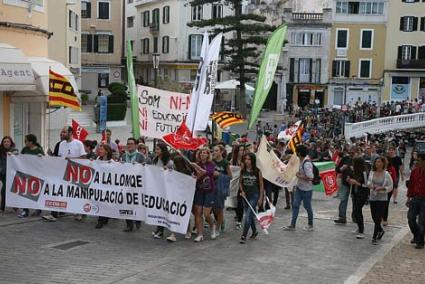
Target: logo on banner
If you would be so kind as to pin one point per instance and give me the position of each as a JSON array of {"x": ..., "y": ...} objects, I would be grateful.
[
  {"x": 270, "y": 69},
  {"x": 78, "y": 174},
  {"x": 56, "y": 204},
  {"x": 90, "y": 208},
  {"x": 27, "y": 186},
  {"x": 124, "y": 212},
  {"x": 329, "y": 182}
]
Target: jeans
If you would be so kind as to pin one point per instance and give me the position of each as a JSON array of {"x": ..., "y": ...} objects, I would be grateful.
[
  {"x": 343, "y": 194},
  {"x": 249, "y": 215},
  {"x": 272, "y": 192},
  {"x": 417, "y": 227},
  {"x": 239, "y": 207},
  {"x": 377, "y": 208},
  {"x": 288, "y": 197},
  {"x": 387, "y": 208},
  {"x": 359, "y": 200},
  {"x": 305, "y": 197}
]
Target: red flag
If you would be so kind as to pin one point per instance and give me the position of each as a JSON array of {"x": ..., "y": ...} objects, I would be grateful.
[
  {"x": 104, "y": 139},
  {"x": 78, "y": 132},
  {"x": 183, "y": 140},
  {"x": 329, "y": 181}
]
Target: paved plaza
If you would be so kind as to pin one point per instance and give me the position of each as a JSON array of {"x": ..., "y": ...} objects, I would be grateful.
[{"x": 67, "y": 251}]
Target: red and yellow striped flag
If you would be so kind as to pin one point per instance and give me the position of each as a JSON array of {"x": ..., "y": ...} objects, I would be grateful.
[
  {"x": 61, "y": 92},
  {"x": 297, "y": 139},
  {"x": 226, "y": 118}
]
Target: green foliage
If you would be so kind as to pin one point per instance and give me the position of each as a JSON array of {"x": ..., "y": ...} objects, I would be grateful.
[
  {"x": 118, "y": 93},
  {"x": 116, "y": 112}
]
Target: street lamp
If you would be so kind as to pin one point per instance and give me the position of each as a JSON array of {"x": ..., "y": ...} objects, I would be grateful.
[{"x": 155, "y": 61}]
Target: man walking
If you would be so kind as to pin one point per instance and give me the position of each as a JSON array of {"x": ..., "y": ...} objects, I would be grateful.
[
  {"x": 416, "y": 202},
  {"x": 303, "y": 190}
]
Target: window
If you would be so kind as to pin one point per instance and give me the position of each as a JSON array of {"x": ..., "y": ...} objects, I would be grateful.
[
  {"x": 37, "y": 5},
  {"x": 145, "y": 46},
  {"x": 146, "y": 20},
  {"x": 165, "y": 44},
  {"x": 104, "y": 43},
  {"x": 72, "y": 20},
  {"x": 195, "y": 44},
  {"x": 197, "y": 12},
  {"x": 406, "y": 52},
  {"x": 341, "y": 69},
  {"x": 408, "y": 24},
  {"x": 421, "y": 52},
  {"x": 73, "y": 55},
  {"x": 129, "y": 1},
  {"x": 102, "y": 80},
  {"x": 166, "y": 15},
  {"x": 342, "y": 38},
  {"x": 85, "y": 9},
  {"x": 338, "y": 96},
  {"x": 306, "y": 39},
  {"x": 86, "y": 43},
  {"x": 130, "y": 22},
  {"x": 317, "y": 73},
  {"x": 304, "y": 70},
  {"x": 360, "y": 8},
  {"x": 155, "y": 17},
  {"x": 217, "y": 11},
  {"x": 422, "y": 24},
  {"x": 365, "y": 68},
  {"x": 103, "y": 11},
  {"x": 366, "y": 41},
  {"x": 155, "y": 44}
]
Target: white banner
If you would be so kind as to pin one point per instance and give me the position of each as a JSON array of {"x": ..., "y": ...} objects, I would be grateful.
[
  {"x": 203, "y": 94},
  {"x": 124, "y": 191},
  {"x": 161, "y": 112},
  {"x": 273, "y": 169}
]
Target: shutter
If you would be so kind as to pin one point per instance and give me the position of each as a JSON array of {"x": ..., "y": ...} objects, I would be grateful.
[
  {"x": 298, "y": 64},
  {"x": 415, "y": 23},
  {"x": 291, "y": 69},
  {"x": 421, "y": 52},
  {"x": 96, "y": 43},
  {"x": 413, "y": 53},
  {"x": 334, "y": 65},
  {"x": 423, "y": 24},
  {"x": 99, "y": 81},
  {"x": 402, "y": 24},
  {"x": 111, "y": 44},
  {"x": 88, "y": 11},
  {"x": 190, "y": 47},
  {"x": 400, "y": 52},
  {"x": 311, "y": 70},
  {"x": 89, "y": 43},
  {"x": 347, "y": 69}
]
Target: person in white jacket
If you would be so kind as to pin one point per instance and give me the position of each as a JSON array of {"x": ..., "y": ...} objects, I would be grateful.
[{"x": 379, "y": 183}]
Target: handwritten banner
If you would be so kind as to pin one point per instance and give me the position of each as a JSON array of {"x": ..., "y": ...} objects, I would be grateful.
[
  {"x": 123, "y": 191},
  {"x": 161, "y": 112}
]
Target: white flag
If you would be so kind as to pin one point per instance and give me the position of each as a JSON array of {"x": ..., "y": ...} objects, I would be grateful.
[{"x": 203, "y": 93}]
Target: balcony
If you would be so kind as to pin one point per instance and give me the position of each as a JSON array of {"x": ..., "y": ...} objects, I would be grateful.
[
  {"x": 307, "y": 17},
  {"x": 154, "y": 28},
  {"x": 411, "y": 64}
]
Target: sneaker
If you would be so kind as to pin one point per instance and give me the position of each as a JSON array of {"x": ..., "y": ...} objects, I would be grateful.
[
  {"x": 374, "y": 242},
  {"x": 171, "y": 238},
  {"x": 419, "y": 246},
  {"x": 380, "y": 234},
  {"x": 340, "y": 221},
  {"x": 158, "y": 234},
  {"x": 78, "y": 217},
  {"x": 413, "y": 241},
  {"x": 308, "y": 228},
  {"x": 355, "y": 232},
  {"x": 243, "y": 240},
  {"x": 254, "y": 235},
  {"x": 238, "y": 225},
  {"x": 199, "y": 239},
  {"x": 49, "y": 218},
  {"x": 188, "y": 236},
  {"x": 23, "y": 214},
  {"x": 360, "y": 236},
  {"x": 287, "y": 207},
  {"x": 214, "y": 234},
  {"x": 289, "y": 228}
]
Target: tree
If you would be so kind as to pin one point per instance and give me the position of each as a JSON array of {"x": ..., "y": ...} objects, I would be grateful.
[{"x": 242, "y": 51}]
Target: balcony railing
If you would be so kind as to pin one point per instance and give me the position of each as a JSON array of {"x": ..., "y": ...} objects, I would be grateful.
[
  {"x": 411, "y": 64},
  {"x": 310, "y": 17},
  {"x": 154, "y": 28}
]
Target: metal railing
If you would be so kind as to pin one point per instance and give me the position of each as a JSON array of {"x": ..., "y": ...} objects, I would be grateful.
[{"x": 307, "y": 16}]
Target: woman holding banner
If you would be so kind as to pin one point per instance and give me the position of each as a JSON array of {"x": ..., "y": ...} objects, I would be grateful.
[
  {"x": 7, "y": 146},
  {"x": 237, "y": 155},
  {"x": 104, "y": 154},
  {"x": 252, "y": 191},
  {"x": 204, "y": 195},
  {"x": 162, "y": 159}
]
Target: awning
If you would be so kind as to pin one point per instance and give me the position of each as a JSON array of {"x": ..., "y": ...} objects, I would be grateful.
[
  {"x": 40, "y": 67},
  {"x": 232, "y": 84},
  {"x": 15, "y": 70}
]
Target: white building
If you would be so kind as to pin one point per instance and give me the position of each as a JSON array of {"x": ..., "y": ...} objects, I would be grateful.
[{"x": 160, "y": 27}]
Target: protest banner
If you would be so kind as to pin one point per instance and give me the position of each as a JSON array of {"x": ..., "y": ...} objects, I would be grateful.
[
  {"x": 110, "y": 189},
  {"x": 273, "y": 169},
  {"x": 161, "y": 112},
  {"x": 231, "y": 200},
  {"x": 327, "y": 172}
]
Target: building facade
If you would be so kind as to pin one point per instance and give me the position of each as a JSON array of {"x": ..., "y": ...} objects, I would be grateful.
[
  {"x": 357, "y": 51},
  {"x": 306, "y": 57},
  {"x": 404, "y": 77},
  {"x": 65, "y": 43},
  {"x": 101, "y": 44},
  {"x": 160, "y": 27}
]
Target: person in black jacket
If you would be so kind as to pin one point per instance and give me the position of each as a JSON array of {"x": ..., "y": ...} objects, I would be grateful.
[{"x": 344, "y": 168}]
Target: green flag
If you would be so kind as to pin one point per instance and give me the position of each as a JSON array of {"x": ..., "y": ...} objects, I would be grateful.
[
  {"x": 267, "y": 69},
  {"x": 133, "y": 93}
]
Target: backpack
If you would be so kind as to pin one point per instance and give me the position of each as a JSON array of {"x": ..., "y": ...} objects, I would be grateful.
[{"x": 316, "y": 174}]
